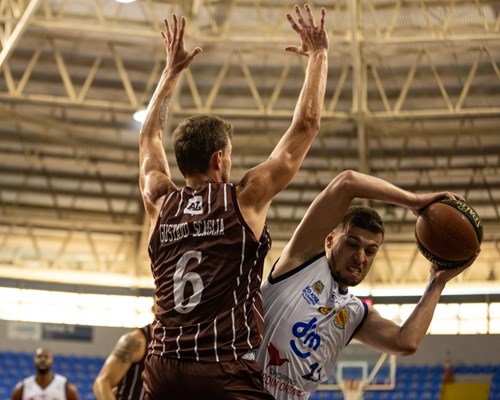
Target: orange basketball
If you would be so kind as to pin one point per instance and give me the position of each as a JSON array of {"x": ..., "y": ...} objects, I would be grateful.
[{"x": 448, "y": 233}]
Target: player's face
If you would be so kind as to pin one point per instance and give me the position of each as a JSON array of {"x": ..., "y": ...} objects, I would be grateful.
[
  {"x": 351, "y": 252},
  {"x": 226, "y": 162},
  {"x": 43, "y": 361}
]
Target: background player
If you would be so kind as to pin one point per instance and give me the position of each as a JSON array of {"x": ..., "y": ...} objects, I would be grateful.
[
  {"x": 120, "y": 376},
  {"x": 45, "y": 384}
]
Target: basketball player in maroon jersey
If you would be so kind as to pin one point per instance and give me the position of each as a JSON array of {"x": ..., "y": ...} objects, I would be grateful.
[
  {"x": 208, "y": 240},
  {"x": 120, "y": 376}
]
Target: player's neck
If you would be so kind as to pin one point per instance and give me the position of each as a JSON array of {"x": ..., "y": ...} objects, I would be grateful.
[
  {"x": 44, "y": 379},
  {"x": 202, "y": 179}
]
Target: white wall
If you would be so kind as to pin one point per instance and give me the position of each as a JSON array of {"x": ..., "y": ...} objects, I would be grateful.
[
  {"x": 464, "y": 349},
  {"x": 103, "y": 341}
]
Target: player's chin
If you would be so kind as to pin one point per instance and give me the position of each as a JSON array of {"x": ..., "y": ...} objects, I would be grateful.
[{"x": 352, "y": 279}]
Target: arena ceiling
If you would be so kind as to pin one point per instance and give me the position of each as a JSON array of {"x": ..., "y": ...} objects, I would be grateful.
[{"x": 413, "y": 96}]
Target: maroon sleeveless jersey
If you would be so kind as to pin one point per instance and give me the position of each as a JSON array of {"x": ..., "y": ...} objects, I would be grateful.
[
  {"x": 207, "y": 266},
  {"x": 130, "y": 386}
]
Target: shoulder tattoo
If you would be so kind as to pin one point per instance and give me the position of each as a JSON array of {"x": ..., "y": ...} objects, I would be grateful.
[{"x": 126, "y": 347}]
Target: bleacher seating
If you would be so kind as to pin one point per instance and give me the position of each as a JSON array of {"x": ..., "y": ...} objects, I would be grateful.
[
  {"x": 412, "y": 382},
  {"x": 419, "y": 383}
]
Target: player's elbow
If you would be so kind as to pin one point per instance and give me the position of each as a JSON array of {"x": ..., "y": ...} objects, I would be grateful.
[
  {"x": 347, "y": 181},
  {"x": 409, "y": 348},
  {"x": 98, "y": 384},
  {"x": 408, "y": 352}
]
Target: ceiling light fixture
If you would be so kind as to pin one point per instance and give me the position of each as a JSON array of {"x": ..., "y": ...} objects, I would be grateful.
[
  {"x": 125, "y": 1},
  {"x": 140, "y": 115}
]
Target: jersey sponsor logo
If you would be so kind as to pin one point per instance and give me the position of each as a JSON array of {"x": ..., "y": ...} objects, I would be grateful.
[
  {"x": 274, "y": 379},
  {"x": 314, "y": 374},
  {"x": 274, "y": 356},
  {"x": 309, "y": 296},
  {"x": 318, "y": 287},
  {"x": 336, "y": 301},
  {"x": 194, "y": 206},
  {"x": 306, "y": 338},
  {"x": 325, "y": 310},
  {"x": 277, "y": 381},
  {"x": 341, "y": 318}
]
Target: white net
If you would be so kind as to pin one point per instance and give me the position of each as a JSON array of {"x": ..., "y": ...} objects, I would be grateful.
[{"x": 352, "y": 389}]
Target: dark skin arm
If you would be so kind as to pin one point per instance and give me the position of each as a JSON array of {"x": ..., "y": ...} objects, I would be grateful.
[
  {"x": 71, "y": 392},
  {"x": 17, "y": 393}
]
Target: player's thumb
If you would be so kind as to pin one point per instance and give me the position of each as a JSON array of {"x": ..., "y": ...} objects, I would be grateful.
[{"x": 293, "y": 49}]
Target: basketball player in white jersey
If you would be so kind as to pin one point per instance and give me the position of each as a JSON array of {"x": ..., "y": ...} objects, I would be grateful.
[
  {"x": 45, "y": 384},
  {"x": 308, "y": 312}
]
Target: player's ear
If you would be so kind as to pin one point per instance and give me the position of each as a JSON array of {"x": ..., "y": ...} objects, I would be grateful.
[
  {"x": 216, "y": 160},
  {"x": 329, "y": 240}
]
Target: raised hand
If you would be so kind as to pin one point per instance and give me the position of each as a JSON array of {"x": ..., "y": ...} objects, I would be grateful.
[
  {"x": 445, "y": 274},
  {"x": 423, "y": 200},
  {"x": 177, "y": 58},
  {"x": 313, "y": 37}
]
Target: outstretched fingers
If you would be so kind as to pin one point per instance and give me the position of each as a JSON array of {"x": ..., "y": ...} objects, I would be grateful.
[
  {"x": 313, "y": 37},
  {"x": 300, "y": 18},
  {"x": 176, "y": 27},
  {"x": 177, "y": 56},
  {"x": 167, "y": 33},
  {"x": 177, "y": 33},
  {"x": 310, "y": 16},
  {"x": 323, "y": 17},
  {"x": 294, "y": 26}
]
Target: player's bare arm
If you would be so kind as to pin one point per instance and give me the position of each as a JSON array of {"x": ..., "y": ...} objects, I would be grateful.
[
  {"x": 389, "y": 337},
  {"x": 17, "y": 393},
  {"x": 71, "y": 392},
  {"x": 130, "y": 348},
  {"x": 261, "y": 184},
  {"x": 328, "y": 209},
  {"x": 155, "y": 177}
]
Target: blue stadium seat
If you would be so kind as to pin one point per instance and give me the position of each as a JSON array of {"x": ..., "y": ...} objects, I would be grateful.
[{"x": 412, "y": 382}]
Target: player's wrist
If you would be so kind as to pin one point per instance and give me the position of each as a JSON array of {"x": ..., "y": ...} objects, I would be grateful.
[
  {"x": 436, "y": 282},
  {"x": 170, "y": 73},
  {"x": 320, "y": 53}
]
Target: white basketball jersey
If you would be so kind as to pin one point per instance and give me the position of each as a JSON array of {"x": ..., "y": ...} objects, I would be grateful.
[
  {"x": 308, "y": 322},
  {"x": 55, "y": 391}
]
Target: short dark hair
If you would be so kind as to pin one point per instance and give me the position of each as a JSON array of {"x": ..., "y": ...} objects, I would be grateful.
[
  {"x": 364, "y": 218},
  {"x": 196, "y": 139}
]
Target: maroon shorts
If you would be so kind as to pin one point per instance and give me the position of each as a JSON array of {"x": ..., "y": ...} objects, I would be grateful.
[{"x": 169, "y": 378}]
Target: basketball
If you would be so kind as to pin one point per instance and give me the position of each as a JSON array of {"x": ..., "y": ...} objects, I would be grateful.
[{"x": 448, "y": 233}]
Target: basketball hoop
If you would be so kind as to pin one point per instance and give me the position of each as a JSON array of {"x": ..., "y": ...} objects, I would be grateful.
[{"x": 352, "y": 389}]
